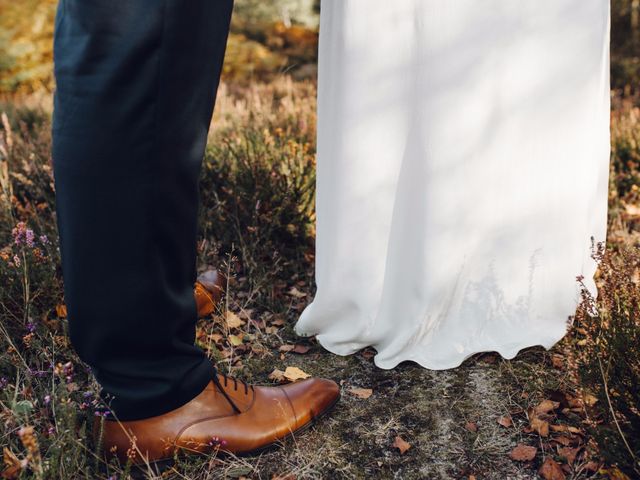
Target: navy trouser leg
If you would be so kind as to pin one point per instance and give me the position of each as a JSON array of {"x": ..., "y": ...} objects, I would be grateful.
[{"x": 136, "y": 86}]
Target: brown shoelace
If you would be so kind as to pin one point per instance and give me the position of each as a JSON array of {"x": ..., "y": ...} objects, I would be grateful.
[{"x": 216, "y": 381}]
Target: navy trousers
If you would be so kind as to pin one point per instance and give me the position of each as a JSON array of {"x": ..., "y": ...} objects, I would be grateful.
[{"x": 136, "y": 86}]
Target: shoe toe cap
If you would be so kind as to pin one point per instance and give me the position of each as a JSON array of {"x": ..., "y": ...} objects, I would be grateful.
[{"x": 312, "y": 397}]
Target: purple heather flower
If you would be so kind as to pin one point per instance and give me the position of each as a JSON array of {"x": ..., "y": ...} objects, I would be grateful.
[
  {"x": 31, "y": 326},
  {"x": 47, "y": 399},
  {"x": 44, "y": 239},
  {"x": 29, "y": 237},
  {"x": 16, "y": 260},
  {"x": 3, "y": 382},
  {"x": 18, "y": 233},
  {"x": 87, "y": 394}
]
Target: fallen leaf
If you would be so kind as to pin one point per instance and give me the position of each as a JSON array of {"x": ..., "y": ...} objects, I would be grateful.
[
  {"x": 632, "y": 210},
  {"x": 546, "y": 406},
  {"x": 589, "y": 400},
  {"x": 300, "y": 349},
  {"x": 294, "y": 292},
  {"x": 368, "y": 353},
  {"x": 557, "y": 361},
  {"x": 538, "y": 425},
  {"x": 505, "y": 421},
  {"x": 278, "y": 322},
  {"x": 401, "y": 445},
  {"x": 13, "y": 465},
  {"x": 471, "y": 426},
  {"x": 289, "y": 476},
  {"x": 363, "y": 393},
  {"x": 61, "y": 310},
  {"x": 566, "y": 428},
  {"x": 569, "y": 454},
  {"x": 233, "y": 320},
  {"x": 592, "y": 466},
  {"x": 564, "y": 440},
  {"x": 550, "y": 470},
  {"x": 294, "y": 373},
  {"x": 614, "y": 473},
  {"x": 277, "y": 375},
  {"x": 523, "y": 453},
  {"x": 235, "y": 340}
]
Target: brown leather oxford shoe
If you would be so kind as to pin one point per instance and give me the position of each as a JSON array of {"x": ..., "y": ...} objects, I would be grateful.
[
  {"x": 228, "y": 416},
  {"x": 208, "y": 290}
]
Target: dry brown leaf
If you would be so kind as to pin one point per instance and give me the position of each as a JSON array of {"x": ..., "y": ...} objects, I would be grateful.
[
  {"x": 289, "y": 476},
  {"x": 589, "y": 400},
  {"x": 569, "y": 453},
  {"x": 294, "y": 292},
  {"x": 564, "y": 440},
  {"x": 505, "y": 421},
  {"x": 61, "y": 310},
  {"x": 13, "y": 465},
  {"x": 215, "y": 337},
  {"x": 363, "y": 393},
  {"x": 401, "y": 445},
  {"x": 471, "y": 426},
  {"x": 546, "y": 406},
  {"x": 294, "y": 373},
  {"x": 540, "y": 426},
  {"x": 368, "y": 354},
  {"x": 550, "y": 470},
  {"x": 632, "y": 210},
  {"x": 566, "y": 428},
  {"x": 614, "y": 473},
  {"x": 278, "y": 322},
  {"x": 277, "y": 375},
  {"x": 233, "y": 320},
  {"x": 557, "y": 361},
  {"x": 300, "y": 349},
  {"x": 523, "y": 453}
]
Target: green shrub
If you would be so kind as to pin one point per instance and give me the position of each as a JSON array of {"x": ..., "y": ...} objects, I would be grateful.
[{"x": 607, "y": 331}]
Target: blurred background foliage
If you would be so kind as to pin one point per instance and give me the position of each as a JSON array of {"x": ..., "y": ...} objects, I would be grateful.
[{"x": 268, "y": 38}]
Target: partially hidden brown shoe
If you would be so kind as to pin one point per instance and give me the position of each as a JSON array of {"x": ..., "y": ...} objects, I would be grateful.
[
  {"x": 228, "y": 416},
  {"x": 208, "y": 290}
]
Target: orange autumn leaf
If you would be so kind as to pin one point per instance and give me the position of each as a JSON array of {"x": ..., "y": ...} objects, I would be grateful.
[
  {"x": 401, "y": 444},
  {"x": 546, "y": 406},
  {"x": 363, "y": 393},
  {"x": 550, "y": 470},
  {"x": 61, "y": 310},
  {"x": 294, "y": 373},
  {"x": 505, "y": 421},
  {"x": 523, "y": 453}
]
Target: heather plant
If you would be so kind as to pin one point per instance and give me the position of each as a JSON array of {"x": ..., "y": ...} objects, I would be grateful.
[
  {"x": 607, "y": 333},
  {"x": 258, "y": 181}
]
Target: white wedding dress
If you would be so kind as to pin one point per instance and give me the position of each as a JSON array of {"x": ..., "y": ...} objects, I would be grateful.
[{"x": 463, "y": 162}]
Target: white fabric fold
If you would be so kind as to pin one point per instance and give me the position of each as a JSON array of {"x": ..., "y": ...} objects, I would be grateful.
[{"x": 463, "y": 163}]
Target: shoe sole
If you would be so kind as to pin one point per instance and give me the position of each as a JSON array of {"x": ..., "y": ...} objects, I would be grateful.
[{"x": 163, "y": 464}]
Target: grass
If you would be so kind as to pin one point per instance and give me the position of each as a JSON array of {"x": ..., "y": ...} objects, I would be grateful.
[{"x": 257, "y": 222}]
